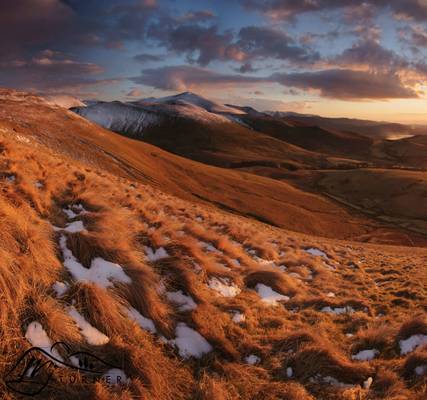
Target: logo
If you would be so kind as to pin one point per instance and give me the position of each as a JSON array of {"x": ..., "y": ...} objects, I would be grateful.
[{"x": 36, "y": 367}]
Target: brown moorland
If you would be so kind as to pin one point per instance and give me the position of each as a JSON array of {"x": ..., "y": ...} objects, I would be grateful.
[{"x": 269, "y": 313}]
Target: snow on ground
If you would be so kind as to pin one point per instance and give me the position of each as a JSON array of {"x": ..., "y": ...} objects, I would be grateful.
[
  {"x": 189, "y": 342},
  {"x": 238, "y": 317},
  {"x": 365, "y": 355},
  {"x": 101, "y": 272},
  {"x": 252, "y": 359},
  {"x": 421, "y": 369},
  {"x": 268, "y": 295},
  {"x": 115, "y": 376},
  {"x": 186, "y": 303},
  {"x": 209, "y": 247},
  {"x": 330, "y": 380},
  {"x": 73, "y": 227},
  {"x": 316, "y": 252},
  {"x": 411, "y": 343},
  {"x": 338, "y": 310},
  {"x": 92, "y": 335},
  {"x": 155, "y": 255},
  {"x": 38, "y": 337},
  {"x": 69, "y": 213},
  {"x": 60, "y": 288},
  {"x": 224, "y": 287},
  {"x": 73, "y": 211},
  {"x": 145, "y": 323}
]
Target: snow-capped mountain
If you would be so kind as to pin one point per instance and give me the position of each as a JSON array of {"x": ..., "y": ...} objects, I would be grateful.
[
  {"x": 196, "y": 100},
  {"x": 119, "y": 117},
  {"x": 134, "y": 118}
]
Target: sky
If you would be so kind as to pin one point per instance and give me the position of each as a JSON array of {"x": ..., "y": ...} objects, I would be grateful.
[{"x": 328, "y": 57}]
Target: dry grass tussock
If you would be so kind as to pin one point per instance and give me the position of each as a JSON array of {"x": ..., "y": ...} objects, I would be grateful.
[{"x": 279, "y": 315}]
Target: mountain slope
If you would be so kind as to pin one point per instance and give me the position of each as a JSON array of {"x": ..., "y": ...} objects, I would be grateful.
[
  {"x": 191, "y": 131},
  {"x": 179, "y": 299}
]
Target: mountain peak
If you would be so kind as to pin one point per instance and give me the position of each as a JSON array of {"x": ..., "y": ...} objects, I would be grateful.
[{"x": 197, "y": 100}]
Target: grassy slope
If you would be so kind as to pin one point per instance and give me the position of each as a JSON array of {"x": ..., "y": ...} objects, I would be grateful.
[
  {"x": 383, "y": 285},
  {"x": 263, "y": 198}
]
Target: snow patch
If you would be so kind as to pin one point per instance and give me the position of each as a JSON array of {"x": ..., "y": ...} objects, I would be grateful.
[
  {"x": 60, "y": 288},
  {"x": 224, "y": 287},
  {"x": 238, "y": 317},
  {"x": 268, "y": 295},
  {"x": 38, "y": 337},
  {"x": 186, "y": 303},
  {"x": 155, "y": 255},
  {"x": 365, "y": 355},
  {"x": 101, "y": 272},
  {"x": 145, "y": 323},
  {"x": 421, "y": 369},
  {"x": 252, "y": 359},
  {"x": 338, "y": 310},
  {"x": 410, "y": 344},
  {"x": 189, "y": 342},
  {"x": 316, "y": 252},
  {"x": 92, "y": 335},
  {"x": 74, "y": 227}
]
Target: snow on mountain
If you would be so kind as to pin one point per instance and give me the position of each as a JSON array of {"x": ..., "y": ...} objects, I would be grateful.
[
  {"x": 192, "y": 98},
  {"x": 135, "y": 117},
  {"x": 119, "y": 117}
]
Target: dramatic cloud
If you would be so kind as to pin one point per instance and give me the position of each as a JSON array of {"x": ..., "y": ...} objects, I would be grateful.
[
  {"x": 25, "y": 23},
  {"x": 90, "y": 42},
  {"x": 348, "y": 84},
  {"x": 49, "y": 70},
  {"x": 369, "y": 54},
  {"x": 261, "y": 42},
  {"x": 201, "y": 44},
  {"x": 186, "y": 77}
]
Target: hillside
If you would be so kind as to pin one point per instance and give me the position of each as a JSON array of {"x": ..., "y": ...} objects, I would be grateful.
[
  {"x": 265, "y": 199},
  {"x": 173, "y": 298},
  {"x": 294, "y": 155}
]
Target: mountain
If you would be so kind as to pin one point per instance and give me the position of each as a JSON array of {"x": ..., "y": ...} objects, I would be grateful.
[
  {"x": 191, "y": 131},
  {"x": 374, "y": 129},
  {"x": 161, "y": 282},
  {"x": 289, "y": 151},
  {"x": 196, "y": 100}
]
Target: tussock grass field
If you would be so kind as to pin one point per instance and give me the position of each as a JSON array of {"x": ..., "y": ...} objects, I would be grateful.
[{"x": 189, "y": 301}]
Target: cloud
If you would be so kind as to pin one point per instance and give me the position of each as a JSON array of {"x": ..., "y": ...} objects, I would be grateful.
[
  {"x": 260, "y": 42},
  {"x": 201, "y": 44},
  {"x": 369, "y": 54},
  {"x": 416, "y": 36},
  {"x": 24, "y": 23},
  {"x": 134, "y": 93},
  {"x": 50, "y": 71},
  {"x": 145, "y": 57},
  {"x": 186, "y": 77},
  {"x": 288, "y": 9},
  {"x": 348, "y": 84},
  {"x": 197, "y": 16}
]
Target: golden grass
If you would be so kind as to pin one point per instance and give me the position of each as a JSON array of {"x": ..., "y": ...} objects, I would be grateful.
[{"x": 124, "y": 218}]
